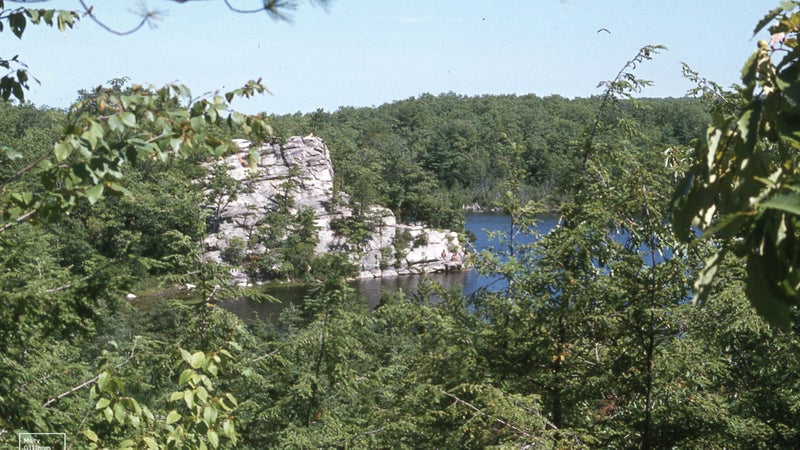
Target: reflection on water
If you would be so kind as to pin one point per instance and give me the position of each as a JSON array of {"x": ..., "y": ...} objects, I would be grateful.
[{"x": 370, "y": 289}]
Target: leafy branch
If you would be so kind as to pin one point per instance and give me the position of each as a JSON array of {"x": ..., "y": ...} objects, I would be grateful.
[{"x": 624, "y": 84}]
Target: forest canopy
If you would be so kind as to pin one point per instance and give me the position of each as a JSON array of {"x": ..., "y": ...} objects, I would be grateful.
[
  {"x": 428, "y": 157},
  {"x": 592, "y": 342}
]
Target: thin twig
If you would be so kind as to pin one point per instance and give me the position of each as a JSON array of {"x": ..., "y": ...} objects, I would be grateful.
[
  {"x": 264, "y": 356},
  {"x": 16, "y": 174},
  {"x": 366, "y": 433},
  {"x": 89, "y": 382},
  {"x": 19, "y": 219},
  {"x": 146, "y": 17},
  {"x": 213, "y": 291},
  {"x": 67, "y": 286},
  {"x": 496, "y": 419}
]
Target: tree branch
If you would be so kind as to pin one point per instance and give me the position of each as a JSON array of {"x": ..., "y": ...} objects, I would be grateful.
[
  {"x": 19, "y": 219},
  {"x": 348, "y": 439},
  {"x": 89, "y": 382},
  {"x": 146, "y": 15},
  {"x": 67, "y": 286},
  {"x": 264, "y": 356},
  {"x": 496, "y": 419},
  {"x": 21, "y": 171}
]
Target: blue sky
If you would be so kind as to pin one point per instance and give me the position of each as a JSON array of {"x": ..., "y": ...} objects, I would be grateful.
[{"x": 369, "y": 52}]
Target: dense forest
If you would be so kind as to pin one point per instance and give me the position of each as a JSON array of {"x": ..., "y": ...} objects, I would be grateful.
[
  {"x": 594, "y": 342},
  {"x": 426, "y": 158}
]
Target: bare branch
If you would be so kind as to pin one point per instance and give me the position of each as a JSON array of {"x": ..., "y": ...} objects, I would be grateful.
[
  {"x": 67, "y": 286},
  {"x": 211, "y": 295},
  {"x": 264, "y": 356},
  {"x": 18, "y": 220},
  {"x": 91, "y": 381},
  {"x": 270, "y": 6},
  {"x": 274, "y": 8},
  {"x": 147, "y": 17},
  {"x": 21, "y": 171},
  {"x": 496, "y": 419}
]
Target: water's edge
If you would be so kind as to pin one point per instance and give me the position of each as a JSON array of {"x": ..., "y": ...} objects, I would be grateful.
[{"x": 469, "y": 280}]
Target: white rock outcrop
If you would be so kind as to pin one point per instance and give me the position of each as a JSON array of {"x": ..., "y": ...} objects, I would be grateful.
[{"x": 307, "y": 160}]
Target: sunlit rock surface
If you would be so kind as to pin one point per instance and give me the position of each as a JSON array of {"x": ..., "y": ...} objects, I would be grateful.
[{"x": 307, "y": 161}]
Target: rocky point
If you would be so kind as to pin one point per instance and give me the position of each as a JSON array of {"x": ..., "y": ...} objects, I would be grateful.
[{"x": 391, "y": 249}]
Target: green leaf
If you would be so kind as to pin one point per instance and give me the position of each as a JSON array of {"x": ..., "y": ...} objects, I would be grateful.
[
  {"x": 93, "y": 133},
  {"x": 761, "y": 293},
  {"x": 102, "y": 380},
  {"x": 62, "y": 150},
  {"x": 17, "y": 21},
  {"x": 151, "y": 443},
  {"x": 237, "y": 118},
  {"x": 198, "y": 123},
  {"x": 213, "y": 369},
  {"x": 748, "y": 128},
  {"x": 767, "y": 19},
  {"x": 147, "y": 414},
  {"x": 184, "y": 377},
  {"x": 128, "y": 118},
  {"x": 10, "y": 153},
  {"x": 91, "y": 435},
  {"x": 252, "y": 158},
  {"x": 173, "y": 417},
  {"x": 118, "y": 188},
  {"x": 22, "y": 198},
  {"x": 186, "y": 356},
  {"x": 788, "y": 202},
  {"x": 178, "y": 395},
  {"x": 210, "y": 414},
  {"x": 749, "y": 74},
  {"x": 175, "y": 145},
  {"x": 33, "y": 14},
  {"x": 188, "y": 397},
  {"x": 213, "y": 438},
  {"x": 119, "y": 413},
  {"x": 202, "y": 394},
  {"x": 65, "y": 19},
  {"x": 788, "y": 82},
  {"x": 102, "y": 403},
  {"x": 702, "y": 284},
  {"x": 94, "y": 193},
  {"x": 197, "y": 360},
  {"x": 109, "y": 414},
  {"x": 116, "y": 124},
  {"x": 227, "y": 427},
  {"x": 232, "y": 399}
]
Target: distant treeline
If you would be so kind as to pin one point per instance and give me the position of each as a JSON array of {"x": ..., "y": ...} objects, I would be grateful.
[{"x": 427, "y": 157}]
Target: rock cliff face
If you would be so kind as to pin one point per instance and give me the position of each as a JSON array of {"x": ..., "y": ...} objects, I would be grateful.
[{"x": 390, "y": 249}]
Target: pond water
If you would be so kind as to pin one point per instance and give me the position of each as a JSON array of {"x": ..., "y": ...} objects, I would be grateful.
[
  {"x": 480, "y": 224},
  {"x": 469, "y": 281}
]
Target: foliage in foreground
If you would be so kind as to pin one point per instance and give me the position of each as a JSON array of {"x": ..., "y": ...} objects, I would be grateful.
[
  {"x": 592, "y": 342},
  {"x": 742, "y": 190}
]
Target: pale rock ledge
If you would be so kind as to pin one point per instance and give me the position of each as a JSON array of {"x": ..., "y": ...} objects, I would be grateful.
[{"x": 307, "y": 159}]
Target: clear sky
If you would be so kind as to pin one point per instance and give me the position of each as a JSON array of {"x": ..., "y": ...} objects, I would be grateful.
[{"x": 369, "y": 52}]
